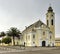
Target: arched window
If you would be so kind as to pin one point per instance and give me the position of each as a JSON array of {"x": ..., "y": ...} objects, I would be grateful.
[
  {"x": 43, "y": 33},
  {"x": 50, "y": 37},
  {"x": 51, "y": 15},
  {"x": 52, "y": 22},
  {"x": 47, "y": 23},
  {"x": 33, "y": 36},
  {"x": 28, "y": 37}
]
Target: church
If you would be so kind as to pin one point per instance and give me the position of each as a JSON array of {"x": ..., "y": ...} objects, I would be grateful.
[{"x": 39, "y": 33}]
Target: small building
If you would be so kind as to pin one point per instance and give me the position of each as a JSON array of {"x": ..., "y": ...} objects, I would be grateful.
[{"x": 57, "y": 42}]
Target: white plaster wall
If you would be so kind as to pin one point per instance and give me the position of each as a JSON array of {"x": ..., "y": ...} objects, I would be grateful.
[{"x": 40, "y": 42}]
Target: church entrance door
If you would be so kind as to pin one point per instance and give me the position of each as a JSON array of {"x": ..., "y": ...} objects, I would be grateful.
[{"x": 43, "y": 43}]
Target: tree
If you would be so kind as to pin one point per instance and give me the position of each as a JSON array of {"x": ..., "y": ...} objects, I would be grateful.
[
  {"x": 6, "y": 40},
  {"x": 14, "y": 32},
  {"x": 2, "y": 34}
]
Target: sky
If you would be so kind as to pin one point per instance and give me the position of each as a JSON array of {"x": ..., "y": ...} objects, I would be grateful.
[{"x": 22, "y": 13}]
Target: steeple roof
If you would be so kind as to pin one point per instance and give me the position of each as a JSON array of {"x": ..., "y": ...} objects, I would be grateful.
[{"x": 50, "y": 9}]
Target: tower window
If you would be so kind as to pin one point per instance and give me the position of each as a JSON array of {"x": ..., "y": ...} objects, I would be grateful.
[
  {"x": 47, "y": 23},
  {"x": 50, "y": 37},
  {"x": 52, "y": 22},
  {"x": 28, "y": 37},
  {"x": 33, "y": 36},
  {"x": 51, "y": 15},
  {"x": 43, "y": 33}
]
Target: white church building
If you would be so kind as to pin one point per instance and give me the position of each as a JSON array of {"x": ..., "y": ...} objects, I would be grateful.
[{"x": 39, "y": 33}]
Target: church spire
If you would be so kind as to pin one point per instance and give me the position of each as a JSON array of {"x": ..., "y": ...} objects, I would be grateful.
[
  {"x": 50, "y": 8},
  {"x": 50, "y": 20}
]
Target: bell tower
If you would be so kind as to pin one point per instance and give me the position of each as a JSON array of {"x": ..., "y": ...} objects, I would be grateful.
[{"x": 50, "y": 20}]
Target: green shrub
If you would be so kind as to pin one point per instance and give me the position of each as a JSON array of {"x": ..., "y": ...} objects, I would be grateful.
[{"x": 6, "y": 40}]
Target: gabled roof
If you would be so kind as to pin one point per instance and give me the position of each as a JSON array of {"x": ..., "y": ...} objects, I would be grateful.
[{"x": 36, "y": 24}]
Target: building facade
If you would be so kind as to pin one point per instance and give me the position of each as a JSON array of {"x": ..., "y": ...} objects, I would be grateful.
[
  {"x": 57, "y": 42},
  {"x": 39, "y": 33}
]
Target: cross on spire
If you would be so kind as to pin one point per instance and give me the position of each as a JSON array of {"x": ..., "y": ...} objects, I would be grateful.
[{"x": 50, "y": 8}]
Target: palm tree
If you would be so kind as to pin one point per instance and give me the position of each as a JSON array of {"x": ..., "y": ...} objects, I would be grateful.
[{"x": 14, "y": 32}]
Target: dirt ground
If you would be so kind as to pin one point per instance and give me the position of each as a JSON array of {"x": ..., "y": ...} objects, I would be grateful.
[{"x": 44, "y": 50}]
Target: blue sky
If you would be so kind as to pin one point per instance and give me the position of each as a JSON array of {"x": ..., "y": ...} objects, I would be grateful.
[{"x": 21, "y": 13}]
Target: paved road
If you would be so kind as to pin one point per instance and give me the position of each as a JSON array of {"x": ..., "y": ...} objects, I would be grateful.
[{"x": 34, "y": 50}]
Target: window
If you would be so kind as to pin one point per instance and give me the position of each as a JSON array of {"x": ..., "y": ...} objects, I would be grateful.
[
  {"x": 50, "y": 37},
  {"x": 52, "y": 22},
  {"x": 32, "y": 29},
  {"x": 33, "y": 42},
  {"x": 28, "y": 37},
  {"x": 47, "y": 23},
  {"x": 33, "y": 36},
  {"x": 43, "y": 33},
  {"x": 51, "y": 15}
]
